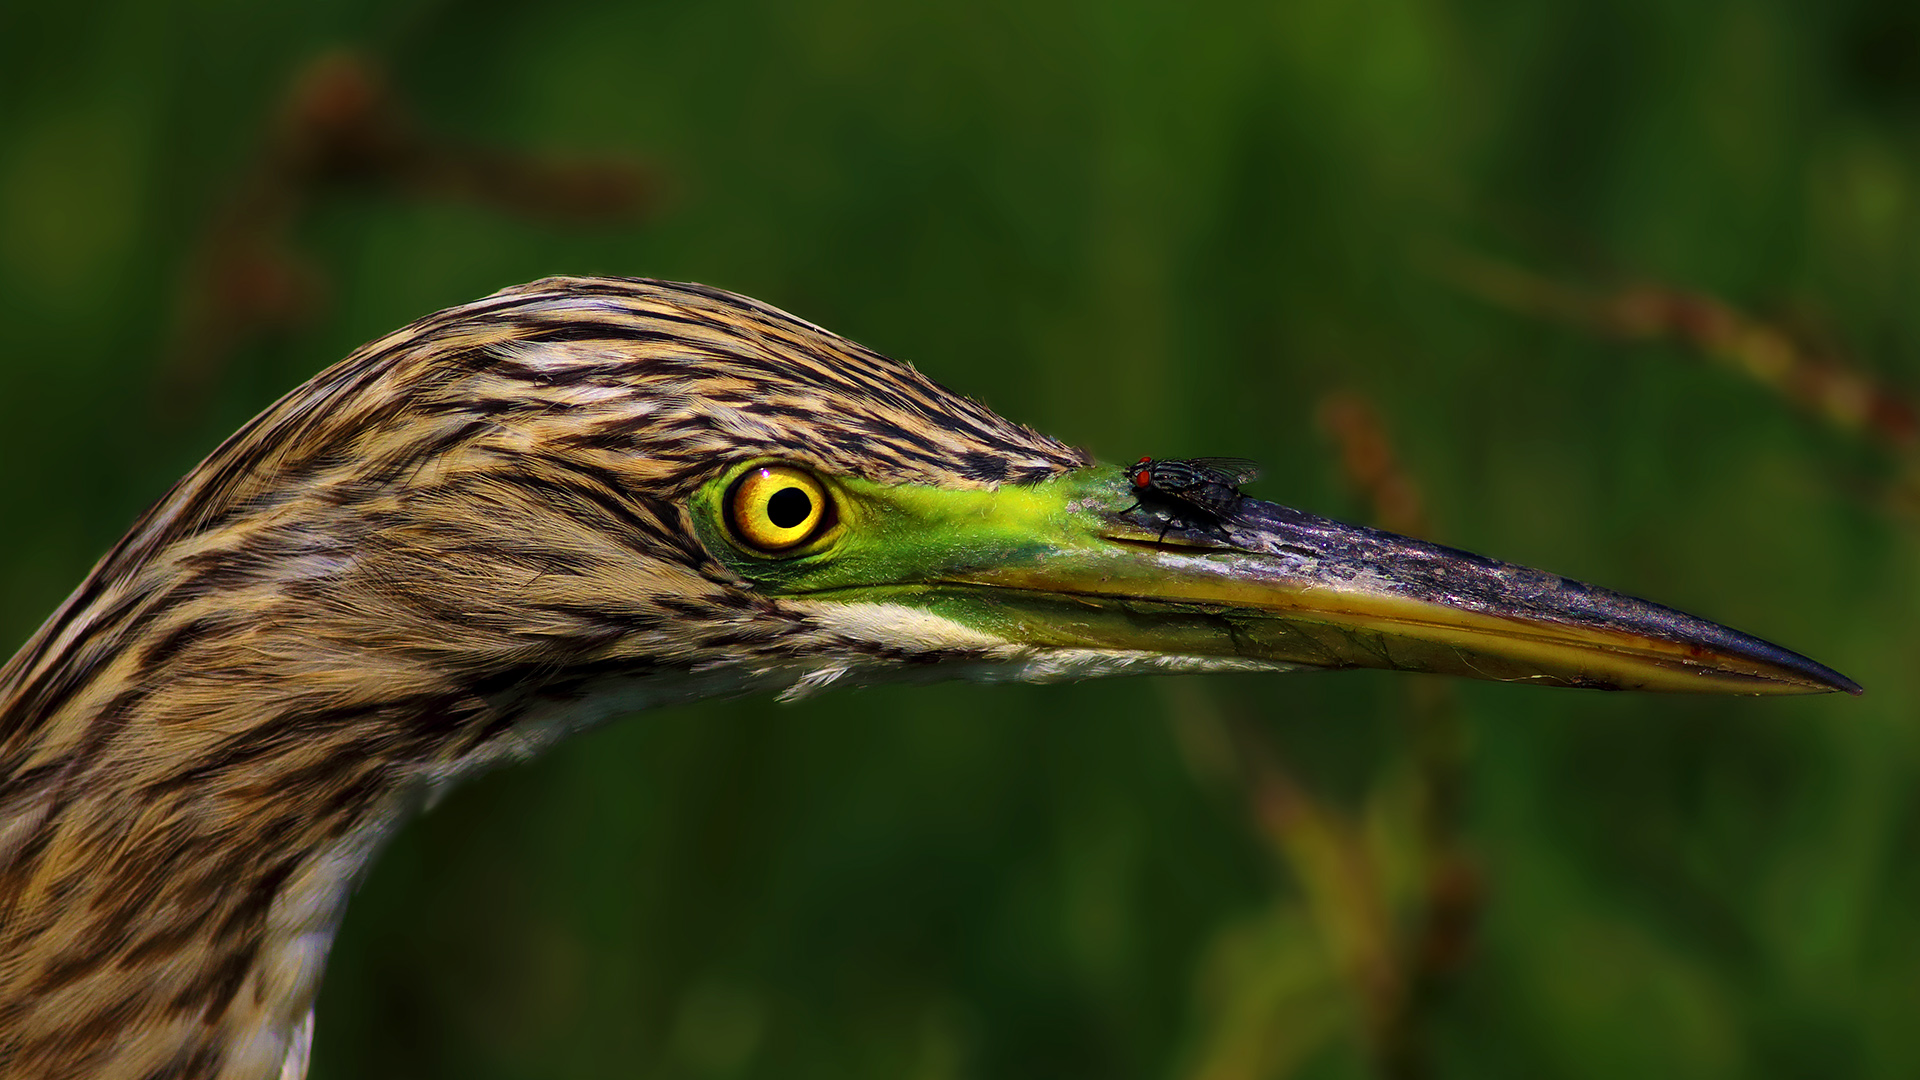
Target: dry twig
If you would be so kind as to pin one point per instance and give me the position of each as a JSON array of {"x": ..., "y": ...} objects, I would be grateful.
[{"x": 342, "y": 126}]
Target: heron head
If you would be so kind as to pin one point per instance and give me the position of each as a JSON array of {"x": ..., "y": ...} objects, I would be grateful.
[{"x": 622, "y": 492}]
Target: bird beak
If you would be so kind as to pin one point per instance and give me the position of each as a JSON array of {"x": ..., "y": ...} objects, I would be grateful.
[{"x": 1076, "y": 563}]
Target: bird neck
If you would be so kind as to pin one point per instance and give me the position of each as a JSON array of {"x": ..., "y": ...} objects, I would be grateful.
[
  {"x": 170, "y": 885},
  {"x": 181, "y": 825},
  {"x": 190, "y": 787}
]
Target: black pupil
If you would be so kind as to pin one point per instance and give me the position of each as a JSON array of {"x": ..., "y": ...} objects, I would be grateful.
[{"x": 789, "y": 507}]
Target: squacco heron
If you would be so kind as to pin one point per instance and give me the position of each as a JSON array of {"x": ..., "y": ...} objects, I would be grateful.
[{"x": 585, "y": 497}]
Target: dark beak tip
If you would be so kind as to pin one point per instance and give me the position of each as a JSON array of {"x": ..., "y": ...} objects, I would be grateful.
[
  {"x": 1828, "y": 683},
  {"x": 1475, "y": 583},
  {"x": 1811, "y": 673}
]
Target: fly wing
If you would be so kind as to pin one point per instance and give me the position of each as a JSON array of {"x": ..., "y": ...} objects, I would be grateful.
[{"x": 1231, "y": 471}]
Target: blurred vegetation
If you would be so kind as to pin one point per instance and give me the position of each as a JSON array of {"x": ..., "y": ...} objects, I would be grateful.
[{"x": 1630, "y": 290}]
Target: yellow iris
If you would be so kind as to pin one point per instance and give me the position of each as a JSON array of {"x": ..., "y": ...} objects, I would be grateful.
[{"x": 775, "y": 508}]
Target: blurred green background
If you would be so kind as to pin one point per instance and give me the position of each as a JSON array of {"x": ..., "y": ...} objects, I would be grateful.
[{"x": 1148, "y": 229}]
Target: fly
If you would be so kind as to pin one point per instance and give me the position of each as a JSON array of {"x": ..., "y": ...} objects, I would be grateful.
[{"x": 1210, "y": 485}]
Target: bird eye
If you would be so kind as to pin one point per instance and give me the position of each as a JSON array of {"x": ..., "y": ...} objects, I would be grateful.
[{"x": 775, "y": 508}]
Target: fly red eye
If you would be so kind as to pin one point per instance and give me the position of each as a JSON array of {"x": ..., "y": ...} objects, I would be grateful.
[
  {"x": 1143, "y": 461},
  {"x": 1140, "y": 479}
]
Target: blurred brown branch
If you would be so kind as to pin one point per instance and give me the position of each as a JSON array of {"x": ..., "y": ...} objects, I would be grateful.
[
  {"x": 343, "y": 126},
  {"x": 1814, "y": 378},
  {"x": 1448, "y": 903},
  {"x": 1339, "y": 930},
  {"x": 1393, "y": 894},
  {"x": 1343, "y": 886},
  {"x": 1368, "y": 464}
]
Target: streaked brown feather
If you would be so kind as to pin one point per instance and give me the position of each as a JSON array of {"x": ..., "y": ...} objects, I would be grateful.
[{"x": 370, "y": 589}]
